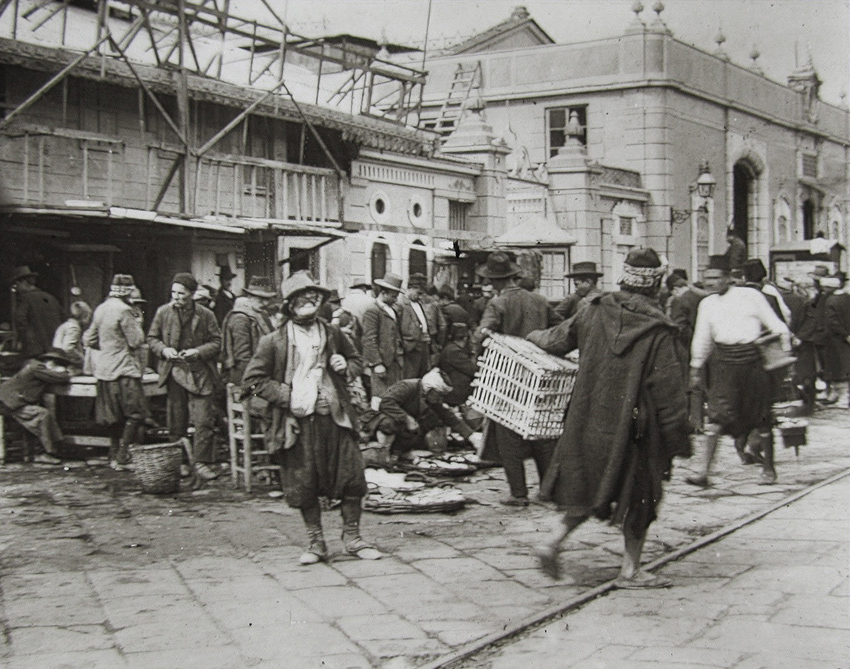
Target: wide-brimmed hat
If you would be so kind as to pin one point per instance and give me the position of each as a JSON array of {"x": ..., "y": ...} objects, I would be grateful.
[
  {"x": 361, "y": 284},
  {"x": 719, "y": 263},
  {"x": 299, "y": 282},
  {"x": 225, "y": 273},
  {"x": 260, "y": 286},
  {"x": 582, "y": 270},
  {"x": 122, "y": 285},
  {"x": 499, "y": 266},
  {"x": 390, "y": 282},
  {"x": 23, "y": 272},
  {"x": 819, "y": 272},
  {"x": 57, "y": 354},
  {"x": 202, "y": 293}
]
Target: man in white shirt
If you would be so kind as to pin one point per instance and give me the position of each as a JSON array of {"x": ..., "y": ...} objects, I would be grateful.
[{"x": 729, "y": 321}]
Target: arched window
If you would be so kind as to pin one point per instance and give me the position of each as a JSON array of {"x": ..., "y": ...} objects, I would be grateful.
[
  {"x": 417, "y": 261},
  {"x": 743, "y": 187},
  {"x": 380, "y": 256}
]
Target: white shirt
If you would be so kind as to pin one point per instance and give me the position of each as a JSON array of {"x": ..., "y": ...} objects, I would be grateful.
[
  {"x": 739, "y": 316},
  {"x": 420, "y": 314}
]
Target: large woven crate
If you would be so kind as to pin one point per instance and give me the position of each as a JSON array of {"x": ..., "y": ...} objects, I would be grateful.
[{"x": 522, "y": 387}]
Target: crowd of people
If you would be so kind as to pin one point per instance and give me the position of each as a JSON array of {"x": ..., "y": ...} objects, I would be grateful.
[{"x": 326, "y": 376}]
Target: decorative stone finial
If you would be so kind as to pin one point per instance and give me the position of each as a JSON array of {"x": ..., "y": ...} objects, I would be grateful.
[
  {"x": 755, "y": 54},
  {"x": 658, "y": 25},
  {"x": 520, "y": 13},
  {"x": 719, "y": 40},
  {"x": 636, "y": 26}
]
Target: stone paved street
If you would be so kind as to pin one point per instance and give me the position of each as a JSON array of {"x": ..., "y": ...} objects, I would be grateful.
[
  {"x": 773, "y": 594},
  {"x": 95, "y": 574}
]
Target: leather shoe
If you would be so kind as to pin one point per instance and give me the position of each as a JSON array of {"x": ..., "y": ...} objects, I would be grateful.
[
  {"x": 515, "y": 501},
  {"x": 203, "y": 471}
]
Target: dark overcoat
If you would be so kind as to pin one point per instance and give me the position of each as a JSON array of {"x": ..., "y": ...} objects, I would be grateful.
[
  {"x": 267, "y": 377},
  {"x": 628, "y": 415}
]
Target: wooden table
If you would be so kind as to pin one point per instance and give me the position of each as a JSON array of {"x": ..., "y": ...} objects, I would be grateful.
[{"x": 86, "y": 386}]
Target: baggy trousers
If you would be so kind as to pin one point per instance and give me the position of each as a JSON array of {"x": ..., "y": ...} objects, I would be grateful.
[
  {"x": 184, "y": 409},
  {"x": 513, "y": 450}
]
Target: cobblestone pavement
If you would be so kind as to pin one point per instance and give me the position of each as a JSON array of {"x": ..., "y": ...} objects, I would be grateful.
[
  {"x": 773, "y": 595},
  {"x": 93, "y": 573}
]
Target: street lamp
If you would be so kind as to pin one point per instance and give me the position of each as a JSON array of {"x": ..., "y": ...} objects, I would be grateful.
[{"x": 705, "y": 189}]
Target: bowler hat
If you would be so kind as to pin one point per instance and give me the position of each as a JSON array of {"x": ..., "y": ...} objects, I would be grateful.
[
  {"x": 260, "y": 286},
  {"x": 583, "y": 270},
  {"x": 720, "y": 263},
  {"x": 417, "y": 280},
  {"x": 819, "y": 272},
  {"x": 136, "y": 296},
  {"x": 365, "y": 285},
  {"x": 334, "y": 296},
  {"x": 23, "y": 272},
  {"x": 57, "y": 354},
  {"x": 299, "y": 282},
  {"x": 390, "y": 282},
  {"x": 225, "y": 273},
  {"x": 499, "y": 266}
]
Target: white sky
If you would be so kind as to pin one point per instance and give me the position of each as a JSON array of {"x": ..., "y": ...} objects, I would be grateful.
[{"x": 773, "y": 26}]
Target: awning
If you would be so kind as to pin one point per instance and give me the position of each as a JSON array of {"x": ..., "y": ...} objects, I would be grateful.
[
  {"x": 538, "y": 232},
  {"x": 817, "y": 246},
  {"x": 225, "y": 225}
]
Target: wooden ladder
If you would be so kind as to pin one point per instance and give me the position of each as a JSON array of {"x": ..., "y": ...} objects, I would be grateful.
[{"x": 466, "y": 78}]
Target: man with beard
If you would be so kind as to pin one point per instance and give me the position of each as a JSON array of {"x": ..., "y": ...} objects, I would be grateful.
[
  {"x": 627, "y": 416},
  {"x": 186, "y": 338},
  {"x": 302, "y": 370}
]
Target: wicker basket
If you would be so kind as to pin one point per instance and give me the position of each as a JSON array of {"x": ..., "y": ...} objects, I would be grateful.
[
  {"x": 522, "y": 387},
  {"x": 158, "y": 467}
]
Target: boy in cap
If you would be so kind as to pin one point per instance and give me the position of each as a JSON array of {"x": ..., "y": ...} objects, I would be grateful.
[
  {"x": 186, "y": 338},
  {"x": 20, "y": 398}
]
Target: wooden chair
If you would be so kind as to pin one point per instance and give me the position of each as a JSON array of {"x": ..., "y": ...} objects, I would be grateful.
[{"x": 248, "y": 454}]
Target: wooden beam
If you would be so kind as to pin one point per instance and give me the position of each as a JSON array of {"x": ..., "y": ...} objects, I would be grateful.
[
  {"x": 47, "y": 87},
  {"x": 168, "y": 177}
]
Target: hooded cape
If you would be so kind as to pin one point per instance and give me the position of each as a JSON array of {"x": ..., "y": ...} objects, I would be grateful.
[{"x": 628, "y": 413}]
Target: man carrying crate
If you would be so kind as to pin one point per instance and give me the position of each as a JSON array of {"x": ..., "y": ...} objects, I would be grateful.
[
  {"x": 628, "y": 415},
  {"x": 515, "y": 312}
]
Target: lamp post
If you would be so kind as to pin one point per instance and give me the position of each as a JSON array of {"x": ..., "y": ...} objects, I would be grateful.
[{"x": 704, "y": 187}]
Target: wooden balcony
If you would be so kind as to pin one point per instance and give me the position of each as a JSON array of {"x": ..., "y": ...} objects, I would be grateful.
[{"x": 50, "y": 167}]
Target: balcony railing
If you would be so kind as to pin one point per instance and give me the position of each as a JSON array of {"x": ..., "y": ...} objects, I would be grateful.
[{"x": 51, "y": 166}]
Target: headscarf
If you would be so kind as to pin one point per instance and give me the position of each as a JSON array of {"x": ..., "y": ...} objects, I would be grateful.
[{"x": 434, "y": 380}]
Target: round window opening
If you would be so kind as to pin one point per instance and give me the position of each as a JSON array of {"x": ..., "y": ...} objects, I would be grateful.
[
  {"x": 417, "y": 209},
  {"x": 380, "y": 206}
]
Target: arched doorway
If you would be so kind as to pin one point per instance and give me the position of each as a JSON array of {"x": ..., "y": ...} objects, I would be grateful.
[
  {"x": 380, "y": 257},
  {"x": 417, "y": 261},
  {"x": 809, "y": 222},
  {"x": 743, "y": 205}
]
